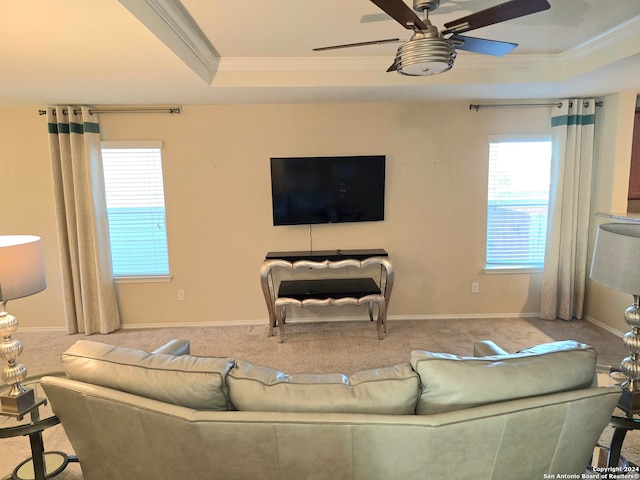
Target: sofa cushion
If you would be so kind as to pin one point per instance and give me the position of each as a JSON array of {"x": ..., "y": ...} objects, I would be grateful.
[
  {"x": 390, "y": 390},
  {"x": 188, "y": 381},
  {"x": 450, "y": 382}
]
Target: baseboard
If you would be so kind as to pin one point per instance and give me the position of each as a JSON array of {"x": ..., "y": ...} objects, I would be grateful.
[
  {"x": 604, "y": 326},
  {"x": 39, "y": 329},
  {"x": 253, "y": 323},
  {"x": 230, "y": 323},
  {"x": 302, "y": 320},
  {"x": 469, "y": 316}
]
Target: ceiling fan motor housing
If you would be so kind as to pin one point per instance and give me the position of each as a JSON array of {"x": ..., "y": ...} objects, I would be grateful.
[
  {"x": 425, "y": 53},
  {"x": 428, "y": 5},
  {"x": 425, "y": 56}
]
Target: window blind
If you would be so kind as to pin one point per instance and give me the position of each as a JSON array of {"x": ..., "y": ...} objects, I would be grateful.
[
  {"x": 518, "y": 202},
  {"x": 136, "y": 209}
]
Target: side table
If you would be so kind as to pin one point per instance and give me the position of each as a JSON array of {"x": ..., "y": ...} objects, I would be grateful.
[
  {"x": 621, "y": 424},
  {"x": 42, "y": 465}
]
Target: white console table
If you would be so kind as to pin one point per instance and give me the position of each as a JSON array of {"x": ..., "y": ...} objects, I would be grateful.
[{"x": 332, "y": 291}]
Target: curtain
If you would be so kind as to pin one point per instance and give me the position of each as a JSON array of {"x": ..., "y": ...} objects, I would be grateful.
[
  {"x": 90, "y": 301},
  {"x": 565, "y": 262}
]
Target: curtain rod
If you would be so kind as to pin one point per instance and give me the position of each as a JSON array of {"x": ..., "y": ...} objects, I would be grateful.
[
  {"x": 171, "y": 110},
  {"x": 520, "y": 105}
]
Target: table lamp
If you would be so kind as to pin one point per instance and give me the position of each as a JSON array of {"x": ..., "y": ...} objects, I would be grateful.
[
  {"x": 21, "y": 275},
  {"x": 616, "y": 265}
]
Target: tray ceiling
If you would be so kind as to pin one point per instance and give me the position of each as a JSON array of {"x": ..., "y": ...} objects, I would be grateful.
[{"x": 98, "y": 52}]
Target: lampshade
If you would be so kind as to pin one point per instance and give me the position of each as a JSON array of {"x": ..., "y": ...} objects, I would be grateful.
[
  {"x": 616, "y": 257},
  {"x": 21, "y": 266}
]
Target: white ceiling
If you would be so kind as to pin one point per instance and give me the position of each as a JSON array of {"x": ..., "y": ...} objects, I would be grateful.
[{"x": 97, "y": 52}]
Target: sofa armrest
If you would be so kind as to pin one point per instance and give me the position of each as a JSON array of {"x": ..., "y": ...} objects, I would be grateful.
[
  {"x": 175, "y": 347},
  {"x": 485, "y": 348}
]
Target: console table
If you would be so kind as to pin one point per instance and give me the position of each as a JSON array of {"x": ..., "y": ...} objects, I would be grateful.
[{"x": 332, "y": 291}]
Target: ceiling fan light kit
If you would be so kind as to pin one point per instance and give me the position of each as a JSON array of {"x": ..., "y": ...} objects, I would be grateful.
[
  {"x": 429, "y": 52},
  {"x": 425, "y": 56}
]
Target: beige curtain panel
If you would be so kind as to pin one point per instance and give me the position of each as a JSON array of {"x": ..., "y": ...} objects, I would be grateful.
[
  {"x": 565, "y": 262},
  {"x": 90, "y": 299}
]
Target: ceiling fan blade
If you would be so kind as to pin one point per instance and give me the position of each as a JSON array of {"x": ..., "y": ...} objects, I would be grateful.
[
  {"x": 357, "y": 44},
  {"x": 401, "y": 13},
  {"x": 482, "y": 45},
  {"x": 374, "y": 17},
  {"x": 499, "y": 13}
]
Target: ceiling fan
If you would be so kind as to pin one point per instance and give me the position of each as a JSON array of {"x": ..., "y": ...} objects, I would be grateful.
[{"x": 428, "y": 51}]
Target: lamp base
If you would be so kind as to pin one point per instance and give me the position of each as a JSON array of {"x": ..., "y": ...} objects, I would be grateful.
[
  {"x": 629, "y": 402},
  {"x": 20, "y": 403}
]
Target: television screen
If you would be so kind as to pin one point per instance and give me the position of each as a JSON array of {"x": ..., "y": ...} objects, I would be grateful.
[{"x": 310, "y": 190}]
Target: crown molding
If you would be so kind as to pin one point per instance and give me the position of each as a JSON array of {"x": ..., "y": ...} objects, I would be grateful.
[
  {"x": 170, "y": 21},
  {"x": 301, "y": 63},
  {"x": 623, "y": 35}
]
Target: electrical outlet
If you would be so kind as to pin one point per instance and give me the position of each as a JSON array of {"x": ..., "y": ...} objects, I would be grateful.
[
  {"x": 181, "y": 296},
  {"x": 475, "y": 287}
]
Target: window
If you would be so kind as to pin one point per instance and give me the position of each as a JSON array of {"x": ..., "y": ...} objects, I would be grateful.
[
  {"x": 518, "y": 201},
  {"x": 135, "y": 208}
]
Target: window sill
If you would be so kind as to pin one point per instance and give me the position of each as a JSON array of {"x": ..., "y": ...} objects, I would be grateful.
[
  {"x": 144, "y": 279},
  {"x": 507, "y": 269}
]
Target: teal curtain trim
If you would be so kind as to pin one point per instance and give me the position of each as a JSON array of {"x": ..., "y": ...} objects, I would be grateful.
[
  {"x": 573, "y": 120},
  {"x": 81, "y": 128}
]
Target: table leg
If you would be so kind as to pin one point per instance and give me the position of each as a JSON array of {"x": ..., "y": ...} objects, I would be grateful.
[
  {"x": 37, "y": 467},
  {"x": 281, "y": 315},
  {"x": 616, "y": 445},
  {"x": 53, "y": 463},
  {"x": 37, "y": 452}
]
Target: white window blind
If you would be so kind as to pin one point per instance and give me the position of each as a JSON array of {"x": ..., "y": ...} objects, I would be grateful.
[
  {"x": 518, "y": 201},
  {"x": 135, "y": 208}
]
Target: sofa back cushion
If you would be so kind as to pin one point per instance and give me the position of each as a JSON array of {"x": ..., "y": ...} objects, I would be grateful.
[
  {"x": 390, "y": 390},
  {"x": 450, "y": 382},
  {"x": 188, "y": 381}
]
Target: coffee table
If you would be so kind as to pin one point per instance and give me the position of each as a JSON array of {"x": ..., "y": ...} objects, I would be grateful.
[{"x": 42, "y": 465}]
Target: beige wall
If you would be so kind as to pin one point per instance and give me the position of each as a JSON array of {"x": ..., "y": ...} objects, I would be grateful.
[
  {"x": 27, "y": 207},
  {"x": 216, "y": 164},
  {"x": 614, "y": 135}
]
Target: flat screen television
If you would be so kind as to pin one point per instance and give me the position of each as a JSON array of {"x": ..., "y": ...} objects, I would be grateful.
[{"x": 312, "y": 190}]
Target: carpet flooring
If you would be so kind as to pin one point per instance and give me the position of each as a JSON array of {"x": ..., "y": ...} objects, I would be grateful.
[{"x": 320, "y": 347}]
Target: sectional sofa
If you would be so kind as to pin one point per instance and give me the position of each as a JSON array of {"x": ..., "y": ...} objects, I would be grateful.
[{"x": 132, "y": 414}]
